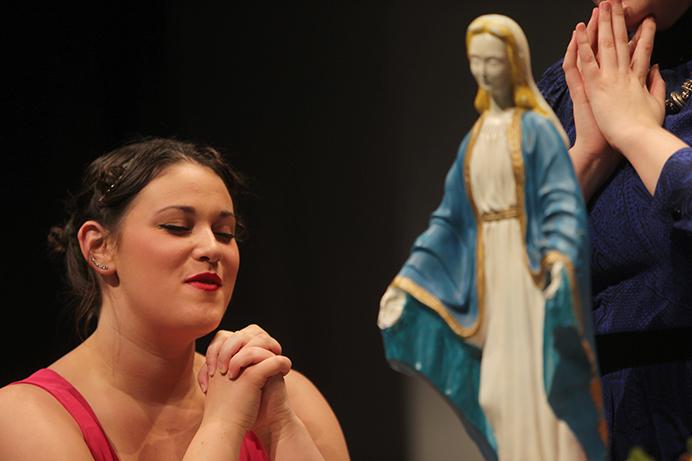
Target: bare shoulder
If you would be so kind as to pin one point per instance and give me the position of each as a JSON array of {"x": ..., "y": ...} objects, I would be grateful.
[
  {"x": 298, "y": 383},
  {"x": 35, "y": 426},
  {"x": 317, "y": 415},
  {"x": 304, "y": 395}
]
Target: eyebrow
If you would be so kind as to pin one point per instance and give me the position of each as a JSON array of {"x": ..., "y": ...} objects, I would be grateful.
[
  {"x": 497, "y": 56},
  {"x": 191, "y": 210}
]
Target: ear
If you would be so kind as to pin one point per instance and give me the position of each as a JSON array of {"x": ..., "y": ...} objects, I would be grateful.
[{"x": 97, "y": 247}]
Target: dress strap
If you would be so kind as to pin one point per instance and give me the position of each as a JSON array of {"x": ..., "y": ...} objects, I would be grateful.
[
  {"x": 77, "y": 406},
  {"x": 94, "y": 436},
  {"x": 251, "y": 449}
]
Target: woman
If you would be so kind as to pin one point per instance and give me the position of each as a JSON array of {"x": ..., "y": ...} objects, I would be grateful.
[
  {"x": 487, "y": 307},
  {"x": 634, "y": 163},
  {"x": 151, "y": 252}
]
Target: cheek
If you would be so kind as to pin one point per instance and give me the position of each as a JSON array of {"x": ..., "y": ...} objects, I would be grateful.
[
  {"x": 230, "y": 267},
  {"x": 636, "y": 11},
  {"x": 497, "y": 69},
  {"x": 149, "y": 260},
  {"x": 475, "y": 71}
]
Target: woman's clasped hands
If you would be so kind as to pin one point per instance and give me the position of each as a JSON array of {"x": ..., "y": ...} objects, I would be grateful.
[
  {"x": 243, "y": 378},
  {"x": 618, "y": 99}
]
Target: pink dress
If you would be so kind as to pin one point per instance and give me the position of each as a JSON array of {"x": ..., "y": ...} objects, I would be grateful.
[{"x": 93, "y": 433}]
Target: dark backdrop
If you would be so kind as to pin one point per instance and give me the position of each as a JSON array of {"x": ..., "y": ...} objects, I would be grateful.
[{"x": 344, "y": 115}]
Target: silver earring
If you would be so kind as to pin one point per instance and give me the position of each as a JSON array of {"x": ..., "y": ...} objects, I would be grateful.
[{"x": 103, "y": 267}]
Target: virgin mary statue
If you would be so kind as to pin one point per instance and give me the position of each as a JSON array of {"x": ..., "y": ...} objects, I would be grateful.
[{"x": 492, "y": 307}]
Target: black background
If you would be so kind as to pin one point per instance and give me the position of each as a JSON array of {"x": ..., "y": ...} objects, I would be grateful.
[{"x": 344, "y": 115}]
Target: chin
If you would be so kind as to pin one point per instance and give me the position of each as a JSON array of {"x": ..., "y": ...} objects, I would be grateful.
[
  {"x": 200, "y": 327},
  {"x": 631, "y": 23},
  {"x": 202, "y": 321}
]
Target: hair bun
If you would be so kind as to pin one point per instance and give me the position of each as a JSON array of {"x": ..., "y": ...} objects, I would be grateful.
[{"x": 57, "y": 240}]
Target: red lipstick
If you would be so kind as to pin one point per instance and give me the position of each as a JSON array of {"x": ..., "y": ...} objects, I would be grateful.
[{"x": 207, "y": 281}]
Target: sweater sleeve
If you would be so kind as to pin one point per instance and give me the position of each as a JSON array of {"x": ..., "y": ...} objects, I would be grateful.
[{"x": 673, "y": 194}]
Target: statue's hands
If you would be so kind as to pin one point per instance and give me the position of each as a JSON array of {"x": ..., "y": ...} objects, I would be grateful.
[
  {"x": 553, "y": 280},
  {"x": 391, "y": 307},
  {"x": 626, "y": 97}
]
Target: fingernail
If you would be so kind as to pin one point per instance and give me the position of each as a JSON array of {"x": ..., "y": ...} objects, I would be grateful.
[
  {"x": 211, "y": 371},
  {"x": 204, "y": 387}
]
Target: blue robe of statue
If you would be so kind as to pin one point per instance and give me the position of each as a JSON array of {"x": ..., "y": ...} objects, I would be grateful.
[{"x": 444, "y": 284}]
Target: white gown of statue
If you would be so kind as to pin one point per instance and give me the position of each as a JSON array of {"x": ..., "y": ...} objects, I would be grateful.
[{"x": 512, "y": 393}]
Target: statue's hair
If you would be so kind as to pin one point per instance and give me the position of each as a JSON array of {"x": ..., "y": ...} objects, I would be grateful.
[{"x": 525, "y": 92}]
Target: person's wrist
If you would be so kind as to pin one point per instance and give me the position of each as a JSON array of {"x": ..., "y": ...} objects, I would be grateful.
[
  {"x": 647, "y": 149},
  {"x": 227, "y": 430},
  {"x": 284, "y": 427},
  {"x": 588, "y": 155},
  {"x": 587, "y": 161},
  {"x": 220, "y": 419},
  {"x": 593, "y": 167},
  {"x": 627, "y": 139}
]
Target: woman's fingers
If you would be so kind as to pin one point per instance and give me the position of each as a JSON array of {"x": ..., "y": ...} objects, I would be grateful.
[
  {"x": 572, "y": 75},
  {"x": 632, "y": 44},
  {"x": 226, "y": 344},
  {"x": 272, "y": 366},
  {"x": 242, "y": 340},
  {"x": 267, "y": 342},
  {"x": 641, "y": 57},
  {"x": 203, "y": 378},
  {"x": 657, "y": 88},
  {"x": 231, "y": 347},
  {"x": 246, "y": 357},
  {"x": 607, "y": 57},
  {"x": 213, "y": 350},
  {"x": 592, "y": 29},
  {"x": 620, "y": 34},
  {"x": 586, "y": 55}
]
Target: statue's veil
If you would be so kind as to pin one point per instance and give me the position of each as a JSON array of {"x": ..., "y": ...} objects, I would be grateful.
[{"x": 528, "y": 96}]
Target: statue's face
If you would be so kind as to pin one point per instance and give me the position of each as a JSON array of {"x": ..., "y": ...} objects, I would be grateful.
[{"x": 490, "y": 65}]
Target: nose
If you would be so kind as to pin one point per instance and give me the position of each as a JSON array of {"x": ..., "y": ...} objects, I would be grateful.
[
  {"x": 207, "y": 247},
  {"x": 484, "y": 70}
]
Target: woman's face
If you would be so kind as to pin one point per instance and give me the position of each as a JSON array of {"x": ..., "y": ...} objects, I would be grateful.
[
  {"x": 490, "y": 65},
  {"x": 175, "y": 256},
  {"x": 666, "y": 12}
]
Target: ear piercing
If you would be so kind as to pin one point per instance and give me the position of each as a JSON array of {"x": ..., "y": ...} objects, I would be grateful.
[{"x": 103, "y": 267}]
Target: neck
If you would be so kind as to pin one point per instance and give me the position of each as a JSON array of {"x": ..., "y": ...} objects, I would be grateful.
[
  {"x": 153, "y": 371},
  {"x": 500, "y": 103}
]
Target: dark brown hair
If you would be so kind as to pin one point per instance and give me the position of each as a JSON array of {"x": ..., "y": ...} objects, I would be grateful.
[{"x": 109, "y": 185}]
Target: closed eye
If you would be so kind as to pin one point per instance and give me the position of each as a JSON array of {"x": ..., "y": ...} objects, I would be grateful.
[
  {"x": 175, "y": 229},
  {"x": 225, "y": 237}
]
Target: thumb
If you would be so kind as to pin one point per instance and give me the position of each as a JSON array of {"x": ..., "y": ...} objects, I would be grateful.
[
  {"x": 657, "y": 86},
  {"x": 203, "y": 378}
]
